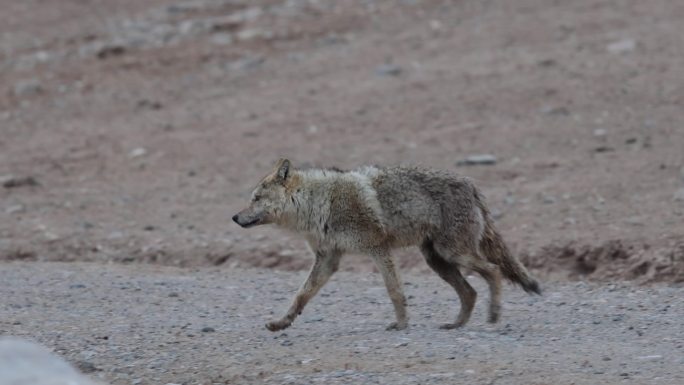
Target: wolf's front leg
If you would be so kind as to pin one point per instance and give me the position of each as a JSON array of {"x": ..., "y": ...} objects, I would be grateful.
[
  {"x": 324, "y": 266},
  {"x": 383, "y": 261}
]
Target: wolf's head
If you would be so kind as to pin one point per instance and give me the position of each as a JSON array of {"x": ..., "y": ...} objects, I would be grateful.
[{"x": 269, "y": 198}]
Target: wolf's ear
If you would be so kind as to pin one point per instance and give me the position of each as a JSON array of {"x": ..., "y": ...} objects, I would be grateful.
[{"x": 282, "y": 169}]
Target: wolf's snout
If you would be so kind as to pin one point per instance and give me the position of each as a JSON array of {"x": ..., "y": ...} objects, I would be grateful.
[{"x": 235, "y": 219}]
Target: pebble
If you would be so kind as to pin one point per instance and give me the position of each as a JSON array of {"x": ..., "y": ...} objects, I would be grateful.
[
  {"x": 246, "y": 63},
  {"x": 27, "y": 88},
  {"x": 86, "y": 367},
  {"x": 476, "y": 160},
  {"x": 388, "y": 70},
  {"x": 10, "y": 181},
  {"x": 15, "y": 209},
  {"x": 253, "y": 33},
  {"x": 655, "y": 357},
  {"x": 555, "y": 111},
  {"x": 137, "y": 152},
  {"x": 679, "y": 195},
  {"x": 222, "y": 39},
  {"x": 208, "y": 329},
  {"x": 622, "y": 46},
  {"x": 600, "y": 132}
]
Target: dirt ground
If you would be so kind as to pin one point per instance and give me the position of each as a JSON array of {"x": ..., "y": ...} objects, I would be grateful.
[
  {"x": 164, "y": 325},
  {"x": 132, "y": 131}
]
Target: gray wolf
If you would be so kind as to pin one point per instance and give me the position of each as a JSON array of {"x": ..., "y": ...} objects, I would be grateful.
[{"x": 372, "y": 210}]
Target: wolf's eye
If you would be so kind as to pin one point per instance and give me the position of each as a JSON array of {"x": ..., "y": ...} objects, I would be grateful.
[{"x": 257, "y": 198}]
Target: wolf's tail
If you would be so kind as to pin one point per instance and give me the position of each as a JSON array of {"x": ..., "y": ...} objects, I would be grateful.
[{"x": 496, "y": 252}]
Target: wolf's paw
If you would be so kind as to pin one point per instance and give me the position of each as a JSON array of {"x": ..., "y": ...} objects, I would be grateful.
[
  {"x": 494, "y": 314},
  {"x": 274, "y": 326},
  {"x": 397, "y": 326},
  {"x": 451, "y": 326},
  {"x": 493, "y": 318}
]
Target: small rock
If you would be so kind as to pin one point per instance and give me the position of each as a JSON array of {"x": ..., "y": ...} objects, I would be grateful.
[
  {"x": 286, "y": 343},
  {"x": 388, "y": 70},
  {"x": 246, "y": 63},
  {"x": 173, "y": 295},
  {"x": 600, "y": 132},
  {"x": 547, "y": 63},
  {"x": 10, "y": 181},
  {"x": 601, "y": 149},
  {"x": 548, "y": 199},
  {"x": 249, "y": 14},
  {"x": 622, "y": 46},
  {"x": 475, "y": 160},
  {"x": 253, "y": 33},
  {"x": 679, "y": 195},
  {"x": 556, "y": 111},
  {"x": 137, "y": 152},
  {"x": 222, "y": 39},
  {"x": 149, "y": 105},
  {"x": 51, "y": 237},
  {"x": 27, "y": 88},
  {"x": 105, "y": 51},
  {"x": 86, "y": 367},
  {"x": 208, "y": 329},
  {"x": 77, "y": 286},
  {"x": 15, "y": 209},
  {"x": 634, "y": 221}
]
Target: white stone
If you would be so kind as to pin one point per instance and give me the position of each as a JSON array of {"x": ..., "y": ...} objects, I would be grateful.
[
  {"x": 24, "y": 362},
  {"x": 622, "y": 46}
]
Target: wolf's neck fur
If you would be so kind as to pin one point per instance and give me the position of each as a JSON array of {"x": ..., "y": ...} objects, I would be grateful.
[
  {"x": 308, "y": 209},
  {"x": 312, "y": 191}
]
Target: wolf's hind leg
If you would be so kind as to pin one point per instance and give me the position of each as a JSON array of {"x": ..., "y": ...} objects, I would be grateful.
[
  {"x": 449, "y": 272},
  {"x": 492, "y": 274},
  {"x": 324, "y": 266},
  {"x": 383, "y": 260}
]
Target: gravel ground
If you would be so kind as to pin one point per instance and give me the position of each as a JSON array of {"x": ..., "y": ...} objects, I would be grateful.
[{"x": 144, "y": 324}]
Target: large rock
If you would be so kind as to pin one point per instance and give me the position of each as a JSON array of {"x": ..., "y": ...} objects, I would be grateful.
[{"x": 26, "y": 363}]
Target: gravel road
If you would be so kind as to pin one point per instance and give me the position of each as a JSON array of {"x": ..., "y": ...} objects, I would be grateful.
[{"x": 141, "y": 324}]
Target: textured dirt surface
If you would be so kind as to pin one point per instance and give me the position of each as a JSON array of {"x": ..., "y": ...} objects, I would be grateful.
[
  {"x": 160, "y": 325},
  {"x": 132, "y": 131}
]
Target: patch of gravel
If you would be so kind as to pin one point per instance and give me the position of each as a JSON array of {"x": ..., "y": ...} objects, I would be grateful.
[{"x": 142, "y": 324}]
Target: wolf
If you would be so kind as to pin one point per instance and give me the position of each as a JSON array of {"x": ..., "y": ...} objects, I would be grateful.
[{"x": 372, "y": 210}]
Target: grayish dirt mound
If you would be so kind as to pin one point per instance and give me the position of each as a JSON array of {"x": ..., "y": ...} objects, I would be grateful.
[{"x": 613, "y": 260}]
